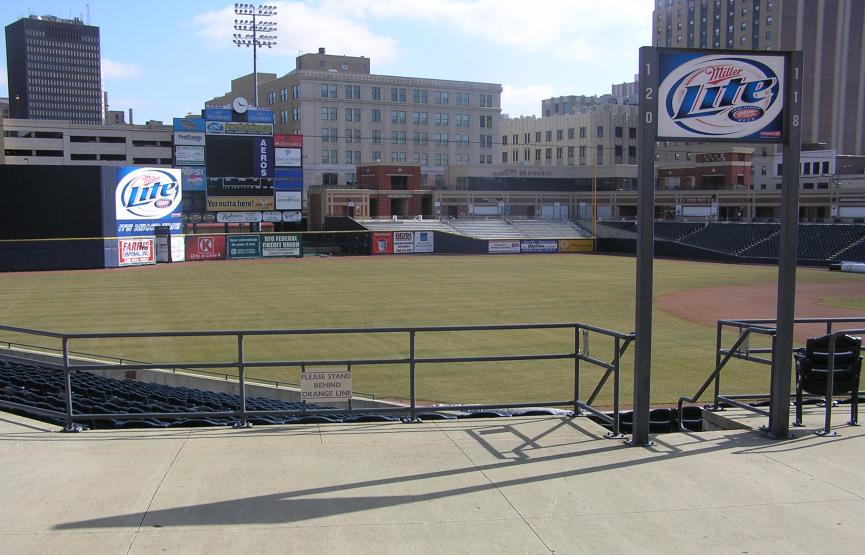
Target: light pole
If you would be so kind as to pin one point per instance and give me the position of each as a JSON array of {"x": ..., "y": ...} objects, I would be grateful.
[{"x": 254, "y": 33}]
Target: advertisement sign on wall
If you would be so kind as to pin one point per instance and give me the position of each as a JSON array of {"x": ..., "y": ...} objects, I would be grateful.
[
  {"x": 288, "y": 141},
  {"x": 259, "y": 116},
  {"x": 539, "y": 246},
  {"x": 243, "y": 246},
  {"x": 238, "y": 217},
  {"x": 423, "y": 241},
  {"x": 205, "y": 247},
  {"x": 500, "y": 246},
  {"x": 239, "y": 204},
  {"x": 135, "y": 252},
  {"x": 187, "y": 138},
  {"x": 706, "y": 95},
  {"x": 193, "y": 179},
  {"x": 576, "y": 245},
  {"x": 288, "y": 179},
  {"x": 271, "y": 216},
  {"x": 291, "y": 217},
  {"x": 289, "y": 200},
  {"x": 382, "y": 243},
  {"x": 145, "y": 198},
  {"x": 288, "y": 157},
  {"x": 188, "y": 125},
  {"x": 217, "y": 114},
  {"x": 281, "y": 245},
  {"x": 188, "y": 155},
  {"x": 403, "y": 242}
]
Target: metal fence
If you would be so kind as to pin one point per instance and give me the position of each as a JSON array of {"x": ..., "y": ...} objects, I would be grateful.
[
  {"x": 580, "y": 355},
  {"x": 741, "y": 350}
]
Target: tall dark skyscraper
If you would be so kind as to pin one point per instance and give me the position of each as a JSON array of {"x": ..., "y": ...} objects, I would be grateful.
[{"x": 54, "y": 69}]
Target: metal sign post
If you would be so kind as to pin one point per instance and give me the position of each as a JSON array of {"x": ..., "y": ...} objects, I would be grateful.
[
  {"x": 648, "y": 130},
  {"x": 779, "y": 419},
  {"x": 733, "y": 96}
]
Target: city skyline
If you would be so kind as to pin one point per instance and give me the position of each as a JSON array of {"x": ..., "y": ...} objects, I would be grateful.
[{"x": 533, "y": 55}]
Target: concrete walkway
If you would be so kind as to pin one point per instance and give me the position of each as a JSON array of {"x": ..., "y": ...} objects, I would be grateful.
[{"x": 511, "y": 485}]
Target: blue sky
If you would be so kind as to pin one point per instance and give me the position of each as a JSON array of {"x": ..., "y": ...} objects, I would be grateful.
[{"x": 164, "y": 58}]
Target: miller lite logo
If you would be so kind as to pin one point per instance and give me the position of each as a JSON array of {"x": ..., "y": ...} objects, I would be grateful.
[
  {"x": 720, "y": 96},
  {"x": 148, "y": 194}
]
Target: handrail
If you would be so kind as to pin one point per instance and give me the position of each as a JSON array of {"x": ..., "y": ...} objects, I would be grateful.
[
  {"x": 747, "y": 327},
  {"x": 579, "y": 354}
]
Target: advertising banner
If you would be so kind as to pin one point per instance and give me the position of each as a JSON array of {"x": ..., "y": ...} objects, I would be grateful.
[
  {"x": 288, "y": 157},
  {"x": 244, "y": 246},
  {"x": 239, "y": 187},
  {"x": 423, "y": 241},
  {"x": 382, "y": 243},
  {"x": 188, "y": 125},
  {"x": 291, "y": 217},
  {"x": 539, "y": 246},
  {"x": 205, "y": 247},
  {"x": 135, "y": 252},
  {"x": 239, "y": 204},
  {"x": 710, "y": 95},
  {"x": 187, "y": 138},
  {"x": 145, "y": 198},
  {"x": 289, "y": 200},
  {"x": 217, "y": 114},
  {"x": 259, "y": 116},
  {"x": 238, "y": 128},
  {"x": 403, "y": 242},
  {"x": 576, "y": 245},
  {"x": 500, "y": 246},
  {"x": 281, "y": 245},
  {"x": 288, "y": 141},
  {"x": 193, "y": 179},
  {"x": 238, "y": 217},
  {"x": 271, "y": 216},
  {"x": 288, "y": 179},
  {"x": 262, "y": 155},
  {"x": 185, "y": 155}
]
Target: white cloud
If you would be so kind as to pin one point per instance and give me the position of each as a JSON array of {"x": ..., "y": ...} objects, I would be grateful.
[
  {"x": 524, "y": 101},
  {"x": 118, "y": 70},
  {"x": 567, "y": 28},
  {"x": 304, "y": 27}
]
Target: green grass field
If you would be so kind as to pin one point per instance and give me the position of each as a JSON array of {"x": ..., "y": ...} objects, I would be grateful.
[{"x": 395, "y": 291}]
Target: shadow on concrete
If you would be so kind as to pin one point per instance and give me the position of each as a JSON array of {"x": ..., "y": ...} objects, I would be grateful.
[{"x": 313, "y": 503}]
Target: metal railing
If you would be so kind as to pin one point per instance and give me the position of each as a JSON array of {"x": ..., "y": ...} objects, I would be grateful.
[
  {"x": 579, "y": 355},
  {"x": 741, "y": 350}
]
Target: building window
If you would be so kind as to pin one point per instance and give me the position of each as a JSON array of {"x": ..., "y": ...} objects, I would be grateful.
[
  {"x": 397, "y": 94},
  {"x": 570, "y": 132},
  {"x": 271, "y": 98},
  {"x": 352, "y": 114},
  {"x": 328, "y": 91},
  {"x": 376, "y": 156},
  {"x": 487, "y": 101},
  {"x": 398, "y": 157},
  {"x": 352, "y": 92},
  {"x": 549, "y": 136},
  {"x": 397, "y": 117},
  {"x": 283, "y": 95},
  {"x": 440, "y": 97},
  {"x": 419, "y": 138},
  {"x": 376, "y": 115},
  {"x": 419, "y": 96},
  {"x": 376, "y": 136},
  {"x": 582, "y": 132},
  {"x": 328, "y": 114},
  {"x": 618, "y": 132},
  {"x": 419, "y": 118},
  {"x": 328, "y": 156},
  {"x": 462, "y": 99},
  {"x": 295, "y": 114},
  {"x": 397, "y": 137},
  {"x": 441, "y": 139},
  {"x": 504, "y": 157},
  {"x": 600, "y": 131},
  {"x": 441, "y": 119},
  {"x": 376, "y": 93},
  {"x": 599, "y": 157}
]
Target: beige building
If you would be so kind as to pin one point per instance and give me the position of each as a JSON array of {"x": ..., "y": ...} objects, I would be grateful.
[
  {"x": 829, "y": 33},
  {"x": 349, "y": 116},
  {"x": 601, "y": 135},
  {"x": 62, "y": 143}
]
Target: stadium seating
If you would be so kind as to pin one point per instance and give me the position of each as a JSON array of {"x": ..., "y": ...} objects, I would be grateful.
[
  {"x": 405, "y": 225},
  {"x": 486, "y": 229},
  {"x": 731, "y": 238},
  {"x": 549, "y": 229},
  {"x": 675, "y": 231},
  {"x": 37, "y": 386}
]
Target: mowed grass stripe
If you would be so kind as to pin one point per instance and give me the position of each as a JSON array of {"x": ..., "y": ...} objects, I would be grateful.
[{"x": 395, "y": 291}]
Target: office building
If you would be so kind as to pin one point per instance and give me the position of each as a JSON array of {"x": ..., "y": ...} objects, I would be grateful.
[
  {"x": 54, "y": 70},
  {"x": 350, "y": 117},
  {"x": 828, "y": 33}
]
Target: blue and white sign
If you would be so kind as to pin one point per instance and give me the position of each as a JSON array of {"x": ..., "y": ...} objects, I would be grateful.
[
  {"x": 189, "y": 125},
  {"x": 218, "y": 114},
  {"x": 147, "y": 197},
  {"x": 539, "y": 246},
  {"x": 711, "y": 96},
  {"x": 259, "y": 116},
  {"x": 262, "y": 149},
  {"x": 288, "y": 179}
]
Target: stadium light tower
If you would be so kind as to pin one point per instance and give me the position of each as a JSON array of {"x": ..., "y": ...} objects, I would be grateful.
[{"x": 254, "y": 32}]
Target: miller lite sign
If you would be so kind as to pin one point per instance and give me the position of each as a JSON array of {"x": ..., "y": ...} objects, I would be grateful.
[
  {"x": 716, "y": 96},
  {"x": 145, "y": 198}
]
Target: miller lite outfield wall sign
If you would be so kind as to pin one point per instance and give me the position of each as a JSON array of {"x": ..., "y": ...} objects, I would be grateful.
[
  {"x": 711, "y": 95},
  {"x": 145, "y": 198}
]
